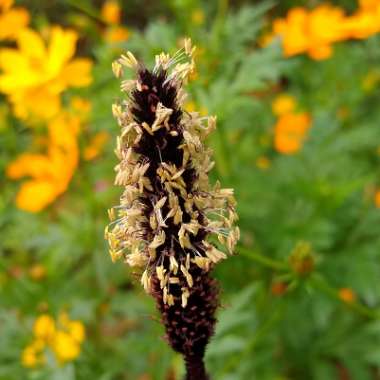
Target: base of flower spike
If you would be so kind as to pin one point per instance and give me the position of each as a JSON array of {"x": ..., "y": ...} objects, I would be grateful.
[
  {"x": 189, "y": 329},
  {"x": 195, "y": 368}
]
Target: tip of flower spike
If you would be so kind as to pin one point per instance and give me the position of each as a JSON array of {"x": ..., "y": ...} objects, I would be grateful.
[
  {"x": 117, "y": 69},
  {"x": 128, "y": 60},
  {"x": 168, "y": 208},
  {"x": 181, "y": 70}
]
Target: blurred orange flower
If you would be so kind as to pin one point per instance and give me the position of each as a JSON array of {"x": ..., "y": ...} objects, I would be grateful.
[
  {"x": 347, "y": 295},
  {"x": 278, "y": 288},
  {"x": 364, "y": 23},
  {"x": 34, "y": 75},
  {"x": 95, "y": 146},
  {"x": 116, "y": 34},
  {"x": 311, "y": 32},
  {"x": 12, "y": 20},
  {"x": 325, "y": 28},
  {"x": 290, "y": 132},
  {"x": 315, "y": 31},
  {"x": 369, "y": 5},
  {"x": 292, "y": 29},
  {"x": 111, "y": 12},
  {"x": 377, "y": 198},
  {"x": 51, "y": 173}
]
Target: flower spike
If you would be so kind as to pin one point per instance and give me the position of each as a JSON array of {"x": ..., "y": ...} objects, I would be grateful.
[{"x": 169, "y": 212}]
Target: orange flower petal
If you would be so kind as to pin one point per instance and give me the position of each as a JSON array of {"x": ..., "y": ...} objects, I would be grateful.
[
  {"x": 27, "y": 164},
  {"x": 111, "y": 12},
  {"x": 320, "y": 52},
  {"x": 35, "y": 195},
  {"x": 12, "y": 22}
]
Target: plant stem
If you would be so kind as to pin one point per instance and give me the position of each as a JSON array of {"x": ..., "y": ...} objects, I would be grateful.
[
  {"x": 195, "y": 368},
  {"x": 86, "y": 9},
  {"x": 264, "y": 260},
  {"x": 318, "y": 282}
]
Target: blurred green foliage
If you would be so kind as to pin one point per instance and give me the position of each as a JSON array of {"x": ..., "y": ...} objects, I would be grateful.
[{"x": 277, "y": 322}]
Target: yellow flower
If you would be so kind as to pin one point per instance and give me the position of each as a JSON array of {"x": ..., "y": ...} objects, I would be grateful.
[
  {"x": 63, "y": 338},
  {"x": 116, "y": 34},
  {"x": 65, "y": 347},
  {"x": 284, "y": 103},
  {"x": 95, "y": 146},
  {"x": 51, "y": 173},
  {"x": 290, "y": 132},
  {"x": 30, "y": 358},
  {"x": 76, "y": 331},
  {"x": 74, "y": 328},
  {"x": 12, "y": 20},
  {"x": 111, "y": 12},
  {"x": 44, "y": 328},
  {"x": 38, "y": 345},
  {"x": 35, "y": 74},
  {"x": 347, "y": 295}
]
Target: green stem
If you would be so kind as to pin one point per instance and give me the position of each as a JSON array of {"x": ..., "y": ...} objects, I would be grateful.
[
  {"x": 87, "y": 10},
  {"x": 318, "y": 282},
  {"x": 264, "y": 260}
]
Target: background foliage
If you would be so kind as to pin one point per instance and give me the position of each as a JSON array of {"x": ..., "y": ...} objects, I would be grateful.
[{"x": 302, "y": 298}]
